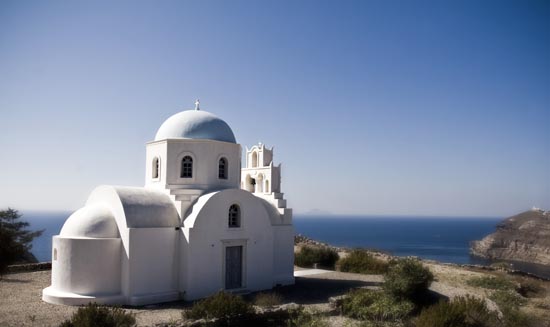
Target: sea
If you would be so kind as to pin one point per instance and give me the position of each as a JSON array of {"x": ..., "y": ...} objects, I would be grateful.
[{"x": 444, "y": 239}]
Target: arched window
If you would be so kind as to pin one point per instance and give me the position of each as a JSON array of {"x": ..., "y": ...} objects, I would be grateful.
[
  {"x": 156, "y": 168},
  {"x": 254, "y": 159},
  {"x": 222, "y": 169},
  {"x": 234, "y": 216},
  {"x": 186, "y": 167},
  {"x": 54, "y": 254}
]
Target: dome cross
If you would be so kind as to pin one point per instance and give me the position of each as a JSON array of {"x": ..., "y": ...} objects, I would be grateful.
[{"x": 197, "y": 103}]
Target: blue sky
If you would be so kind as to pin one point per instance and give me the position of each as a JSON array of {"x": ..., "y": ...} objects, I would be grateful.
[{"x": 374, "y": 107}]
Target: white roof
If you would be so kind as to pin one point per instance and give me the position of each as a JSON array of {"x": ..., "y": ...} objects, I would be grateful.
[
  {"x": 195, "y": 124},
  {"x": 95, "y": 221},
  {"x": 138, "y": 207},
  {"x": 130, "y": 207}
]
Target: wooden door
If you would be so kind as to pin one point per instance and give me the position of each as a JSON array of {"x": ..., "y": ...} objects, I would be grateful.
[{"x": 233, "y": 267}]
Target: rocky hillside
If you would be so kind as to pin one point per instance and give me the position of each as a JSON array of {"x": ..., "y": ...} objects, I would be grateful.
[{"x": 524, "y": 237}]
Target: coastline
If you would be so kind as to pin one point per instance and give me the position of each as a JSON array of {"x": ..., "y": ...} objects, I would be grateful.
[{"x": 301, "y": 240}]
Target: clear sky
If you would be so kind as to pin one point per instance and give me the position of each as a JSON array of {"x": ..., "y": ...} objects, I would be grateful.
[{"x": 374, "y": 107}]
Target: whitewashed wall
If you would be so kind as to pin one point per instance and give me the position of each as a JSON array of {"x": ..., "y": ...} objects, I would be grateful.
[
  {"x": 206, "y": 155},
  {"x": 207, "y": 233}
]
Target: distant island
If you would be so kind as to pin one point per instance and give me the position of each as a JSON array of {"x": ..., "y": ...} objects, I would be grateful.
[{"x": 523, "y": 237}]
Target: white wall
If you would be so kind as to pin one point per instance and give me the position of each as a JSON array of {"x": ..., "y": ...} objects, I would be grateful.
[
  {"x": 207, "y": 233},
  {"x": 155, "y": 149},
  {"x": 153, "y": 264},
  {"x": 283, "y": 258},
  {"x": 86, "y": 266},
  {"x": 206, "y": 155}
]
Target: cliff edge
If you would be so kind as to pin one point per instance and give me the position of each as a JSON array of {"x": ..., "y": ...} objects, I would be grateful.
[{"x": 524, "y": 237}]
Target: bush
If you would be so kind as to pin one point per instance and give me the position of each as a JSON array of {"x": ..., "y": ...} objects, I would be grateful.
[
  {"x": 267, "y": 299},
  {"x": 407, "y": 279},
  {"x": 507, "y": 299},
  {"x": 512, "y": 317},
  {"x": 301, "y": 318},
  {"x": 492, "y": 283},
  {"x": 325, "y": 257},
  {"x": 509, "y": 303},
  {"x": 222, "y": 305},
  {"x": 293, "y": 317},
  {"x": 461, "y": 312},
  {"x": 93, "y": 315},
  {"x": 372, "y": 305},
  {"x": 362, "y": 262}
]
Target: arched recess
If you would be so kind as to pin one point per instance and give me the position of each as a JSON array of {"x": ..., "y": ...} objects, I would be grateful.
[
  {"x": 222, "y": 168},
  {"x": 234, "y": 217},
  {"x": 250, "y": 182},
  {"x": 186, "y": 167},
  {"x": 266, "y": 188},
  {"x": 260, "y": 183},
  {"x": 155, "y": 169},
  {"x": 254, "y": 159}
]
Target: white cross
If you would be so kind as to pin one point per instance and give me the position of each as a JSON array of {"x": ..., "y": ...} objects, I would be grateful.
[{"x": 197, "y": 103}]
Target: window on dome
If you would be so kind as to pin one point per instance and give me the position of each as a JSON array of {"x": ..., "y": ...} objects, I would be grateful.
[
  {"x": 234, "y": 216},
  {"x": 222, "y": 168},
  {"x": 186, "y": 167},
  {"x": 156, "y": 168}
]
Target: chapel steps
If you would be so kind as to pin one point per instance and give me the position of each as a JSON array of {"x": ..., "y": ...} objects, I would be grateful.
[{"x": 276, "y": 199}]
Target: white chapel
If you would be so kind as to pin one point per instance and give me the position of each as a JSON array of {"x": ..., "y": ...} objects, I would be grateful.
[{"x": 201, "y": 224}]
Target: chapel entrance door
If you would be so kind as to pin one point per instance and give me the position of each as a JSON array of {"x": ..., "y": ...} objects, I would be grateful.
[{"x": 233, "y": 267}]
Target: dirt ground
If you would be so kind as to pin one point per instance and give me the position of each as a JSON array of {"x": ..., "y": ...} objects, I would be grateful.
[{"x": 21, "y": 303}]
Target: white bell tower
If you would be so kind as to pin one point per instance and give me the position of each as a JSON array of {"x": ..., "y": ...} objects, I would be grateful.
[{"x": 263, "y": 179}]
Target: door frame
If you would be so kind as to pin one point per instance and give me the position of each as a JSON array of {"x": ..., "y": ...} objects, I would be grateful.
[{"x": 229, "y": 243}]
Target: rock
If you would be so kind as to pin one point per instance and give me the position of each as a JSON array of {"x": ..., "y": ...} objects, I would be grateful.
[{"x": 524, "y": 237}]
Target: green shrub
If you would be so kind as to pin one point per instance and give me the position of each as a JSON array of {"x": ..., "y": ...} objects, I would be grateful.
[
  {"x": 509, "y": 302},
  {"x": 461, "y": 312},
  {"x": 370, "y": 323},
  {"x": 365, "y": 304},
  {"x": 267, "y": 299},
  {"x": 221, "y": 305},
  {"x": 323, "y": 256},
  {"x": 407, "y": 279},
  {"x": 362, "y": 262},
  {"x": 93, "y": 315},
  {"x": 301, "y": 318},
  {"x": 513, "y": 317},
  {"x": 294, "y": 317},
  {"x": 507, "y": 299},
  {"x": 491, "y": 283}
]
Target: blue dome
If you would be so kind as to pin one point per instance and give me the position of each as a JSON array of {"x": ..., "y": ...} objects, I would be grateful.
[{"x": 195, "y": 124}]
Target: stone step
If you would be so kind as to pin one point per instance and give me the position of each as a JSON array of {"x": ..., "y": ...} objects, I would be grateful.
[
  {"x": 277, "y": 195},
  {"x": 280, "y": 203}
]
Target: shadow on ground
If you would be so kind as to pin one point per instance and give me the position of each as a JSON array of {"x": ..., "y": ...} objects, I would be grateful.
[
  {"x": 306, "y": 290},
  {"x": 312, "y": 290}
]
